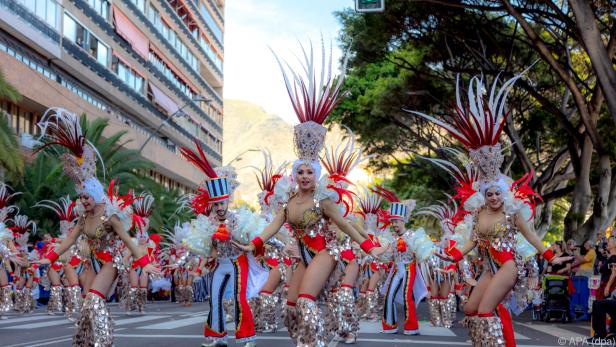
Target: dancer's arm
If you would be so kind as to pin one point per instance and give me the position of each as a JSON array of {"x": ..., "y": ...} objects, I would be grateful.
[
  {"x": 532, "y": 238},
  {"x": 331, "y": 210},
  {"x": 141, "y": 257},
  {"x": 360, "y": 230},
  {"x": 70, "y": 240}
]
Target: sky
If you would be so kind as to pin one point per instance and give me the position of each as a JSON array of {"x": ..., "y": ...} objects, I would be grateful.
[{"x": 253, "y": 26}]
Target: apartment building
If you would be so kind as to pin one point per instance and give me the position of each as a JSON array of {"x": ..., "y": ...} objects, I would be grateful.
[{"x": 137, "y": 63}]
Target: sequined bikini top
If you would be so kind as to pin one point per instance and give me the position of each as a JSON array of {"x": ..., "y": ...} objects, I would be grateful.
[
  {"x": 100, "y": 240},
  {"x": 313, "y": 222},
  {"x": 500, "y": 236}
]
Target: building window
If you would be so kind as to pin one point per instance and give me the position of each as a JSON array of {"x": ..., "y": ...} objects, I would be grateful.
[
  {"x": 20, "y": 119},
  {"x": 210, "y": 52},
  {"x": 47, "y": 10},
  {"x": 101, "y": 7},
  {"x": 211, "y": 23},
  {"x": 172, "y": 38},
  {"x": 140, "y": 4},
  {"x": 175, "y": 79},
  {"x": 85, "y": 39},
  {"x": 128, "y": 75}
]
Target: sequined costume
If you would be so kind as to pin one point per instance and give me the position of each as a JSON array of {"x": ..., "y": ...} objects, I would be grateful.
[
  {"x": 8, "y": 251},
  {"x": 60, "y": 127},
  {"x": 477, "y": 122}
]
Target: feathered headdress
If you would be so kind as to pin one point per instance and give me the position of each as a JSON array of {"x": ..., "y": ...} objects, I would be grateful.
[
  {"x": 267, "y": 177},
  {"x": 370, "y": 208},
  {"x": 313, "y": 94},
  {"x": 340, "y": 160},
  {"x": 21, "y": 229},
  {"x": 445, "y": 214},
  {"x": 478, "y": 123},
  {"x": 60, "y": 127},
  {"x": 5, "y": 198},
  {"x": 65, "y": 210},
  {"x": 142, "y": 209},
  {"x": 216, "y": 188},
  {"x": 397, "y": 209}
]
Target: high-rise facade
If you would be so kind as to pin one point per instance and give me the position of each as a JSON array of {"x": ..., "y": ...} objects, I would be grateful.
[{"x": 137, "y": 63}]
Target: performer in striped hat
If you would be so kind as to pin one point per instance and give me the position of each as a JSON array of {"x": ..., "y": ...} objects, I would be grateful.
[
  {"x": 211, "y": 235},
  {"x": 404, "y": 284}
]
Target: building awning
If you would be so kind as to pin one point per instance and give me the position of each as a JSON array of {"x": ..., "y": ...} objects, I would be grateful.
[
  {"x": 162, "y": 100},
  {"x": 125, "y": 28}
]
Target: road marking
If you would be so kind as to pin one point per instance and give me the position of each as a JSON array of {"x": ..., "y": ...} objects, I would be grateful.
[
  {"x": 36, "y": 341},
  {"x": 26, "y": 319},
  {"x": 175, "y": 323},
  {"x": 40, "y": 325},
  {"x": 553, "y": 330},
  {"x": 51, "y": 342},
  {"x": 121, "y": 322}
]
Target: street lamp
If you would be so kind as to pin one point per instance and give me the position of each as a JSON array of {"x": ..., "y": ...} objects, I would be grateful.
[{"x": 178, "y": 112}]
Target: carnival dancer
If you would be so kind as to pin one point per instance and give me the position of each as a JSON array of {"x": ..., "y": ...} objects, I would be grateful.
[
  {"x": 65, "y": 266},
  {"x": 26, "y": 274},
  {"x": 405, "y": 283},
  {"x": 104, "y": 220},
  {"x": 441, "y": 275},
  {"x": 338, "y": 162},
  {"x": 309, "y": 204},
  {"x": 267, "y": 305},
  {"x": 212, "y": 236},
  {"x": 177, "y": 257},
  {"x": 500, "y": 214},
  {"x": 138, "y": 280},
  {"x": 9, "y": 254}
]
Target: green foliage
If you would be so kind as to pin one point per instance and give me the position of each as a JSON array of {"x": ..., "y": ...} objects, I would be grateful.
[
  {"x": 44, "y": 179},
  {"x": 11, "y": 160}
]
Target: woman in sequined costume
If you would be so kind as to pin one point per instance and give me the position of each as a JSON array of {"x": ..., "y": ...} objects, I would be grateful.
[
  {"x": 68, "y": 267},
  {"x": 309, "y": 205},
  {"x": 498, "y": 212},
  {"x": 25, "y": 274},
  {"x": 104, "y": 220},
  {"x": 9, "y": 254}
]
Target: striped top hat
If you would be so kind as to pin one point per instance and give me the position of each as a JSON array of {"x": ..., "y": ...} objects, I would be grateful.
[
  {"x": 397, "y": 209},
  {"x": 216, "y": 187}
]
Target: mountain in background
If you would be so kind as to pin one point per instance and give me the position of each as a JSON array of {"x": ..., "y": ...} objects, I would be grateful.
[{"x": 248, "y": 127}]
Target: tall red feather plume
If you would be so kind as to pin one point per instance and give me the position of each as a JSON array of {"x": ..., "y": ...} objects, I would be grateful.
[
  {"x": 386, "y": 194},
  {"x": 523, "y": 191},
  {"x": 199, "y": 160}
]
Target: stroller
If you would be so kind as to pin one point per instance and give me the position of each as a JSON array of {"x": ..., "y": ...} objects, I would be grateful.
[{"x": 556, "y": 300}]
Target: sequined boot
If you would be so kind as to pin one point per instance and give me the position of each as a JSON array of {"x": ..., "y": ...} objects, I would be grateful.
[
  {"x": 372, "y": 309},
  {"x": 268, "y": 312},
  {"x": 73, "y": 301},
  {"x": 470, "y": 323},
  {"x": 291, "y": 320},
  {"x": 132, "y": 299},
  {"x": 255, "y": 308},
  {"x": 310, "y": 329},
  {"x": 348, "y": 320},
  {"x": 445, "y": 310},
  {"x": 6, "y": 302},
  {"x": 180, "y": 295},
  {"x": 28, "y": 300},
  {"x": 143, "y": 298},
  {"x": 18, "y": 297},
  {"x": 435, "y": 312},
  {"x": 189, "y": 295},
  {"x": 55, "y": 300},
  {"x": 332, "y": 313},
  {"x": 361, "y": 305},
  {"x": 94, "y": 327},
  {"x": 490, "y": 330}
]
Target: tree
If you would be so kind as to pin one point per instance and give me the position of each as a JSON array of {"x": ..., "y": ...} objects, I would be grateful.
[
  {"x": 408, "y": 57},
  {"x": 11, "y": 160}
]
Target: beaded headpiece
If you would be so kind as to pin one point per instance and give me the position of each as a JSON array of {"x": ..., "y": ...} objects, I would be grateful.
[
  {"x": 65, "y": 210},
  {"x": 142, "y": 209},
  {"x": 60, "y": 127},
  {"x": 313, "y": 96},
  {"x": 6, "y": 196},
  {"x": 478, "y": 124}
]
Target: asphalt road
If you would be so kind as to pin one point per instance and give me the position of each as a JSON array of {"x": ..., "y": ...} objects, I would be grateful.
[{"x": 169, "y": 325}]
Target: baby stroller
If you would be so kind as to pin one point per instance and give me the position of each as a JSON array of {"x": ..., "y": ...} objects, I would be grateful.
[{"x": 556, "y": 301}]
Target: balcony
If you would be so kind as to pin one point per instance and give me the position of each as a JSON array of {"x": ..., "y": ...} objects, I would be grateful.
[{"x": 110, "y": 31}]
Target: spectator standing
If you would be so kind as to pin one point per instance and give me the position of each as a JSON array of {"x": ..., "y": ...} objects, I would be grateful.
[
  {"x": 608, "y": 277},
  {"x": 586, "y": 259}
]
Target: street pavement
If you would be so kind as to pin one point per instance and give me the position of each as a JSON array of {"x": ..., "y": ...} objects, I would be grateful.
[{"x": 170, "y": 325}]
